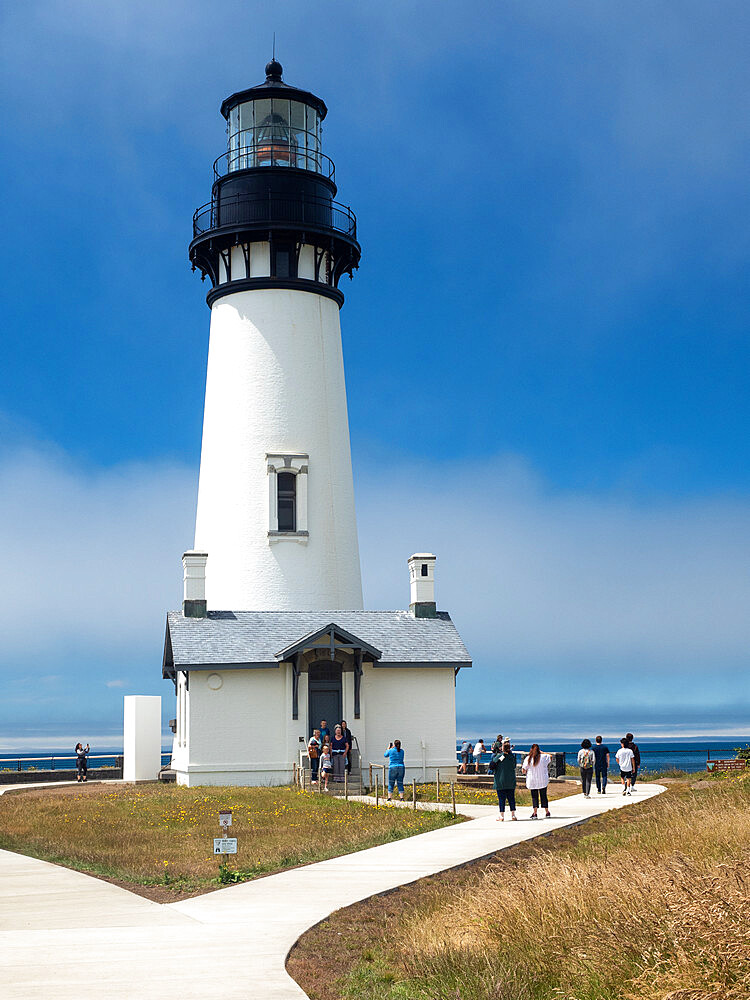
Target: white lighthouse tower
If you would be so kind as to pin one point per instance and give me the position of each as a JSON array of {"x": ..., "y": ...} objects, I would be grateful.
[{"x": 275, "y": 499}]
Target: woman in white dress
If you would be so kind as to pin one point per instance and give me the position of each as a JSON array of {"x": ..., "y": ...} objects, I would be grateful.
[{"x": 536, "y": 768}]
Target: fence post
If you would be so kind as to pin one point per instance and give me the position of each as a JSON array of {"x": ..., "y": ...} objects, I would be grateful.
[
  {"x": 294, "y": 772},
  {"x": 453, "y": 796},
  {"x": 437, "y": 785},
  {"x": 377, "y": 792},
  {"x": 346, "y": 785},
  {"x": 370, "y": 784},
  {"x": 414, "y": 793}
]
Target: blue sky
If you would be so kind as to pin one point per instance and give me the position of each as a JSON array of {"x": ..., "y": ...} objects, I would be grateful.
[{"x": 546, "y": 343}]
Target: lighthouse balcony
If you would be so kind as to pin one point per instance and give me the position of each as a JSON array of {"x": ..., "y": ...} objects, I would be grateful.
[{"x": 253, "y": 211}]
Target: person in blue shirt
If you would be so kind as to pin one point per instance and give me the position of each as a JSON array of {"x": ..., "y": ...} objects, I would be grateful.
[
  {"x": 395, "y": 768},
  {"x": 324, "y": 731}
]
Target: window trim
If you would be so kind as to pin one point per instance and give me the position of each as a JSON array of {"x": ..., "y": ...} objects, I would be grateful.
[{"x": 297, "y": 465}]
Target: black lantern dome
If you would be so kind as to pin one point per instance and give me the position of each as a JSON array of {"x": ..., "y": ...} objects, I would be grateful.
[{"x": 274, "y": 187}]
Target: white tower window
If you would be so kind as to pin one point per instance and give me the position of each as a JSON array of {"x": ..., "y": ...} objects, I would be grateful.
[{"x": 287, "y": 497}]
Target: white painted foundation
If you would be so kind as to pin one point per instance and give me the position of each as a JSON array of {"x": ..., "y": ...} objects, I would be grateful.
[
  {"x": 275, "y": 386},
  {"x": 142, "y": 737}
]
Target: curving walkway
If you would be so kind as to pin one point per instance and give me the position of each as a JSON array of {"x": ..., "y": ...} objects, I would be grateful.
[{"x": 65, "y": 935}]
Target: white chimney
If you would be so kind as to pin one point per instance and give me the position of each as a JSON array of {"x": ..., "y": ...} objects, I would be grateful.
[
  {"x": 422, "y": 582},
  {"x": 194, "y": 584}
]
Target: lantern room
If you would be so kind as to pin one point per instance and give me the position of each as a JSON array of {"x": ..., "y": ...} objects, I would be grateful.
[{"x": 274, "y": 125}]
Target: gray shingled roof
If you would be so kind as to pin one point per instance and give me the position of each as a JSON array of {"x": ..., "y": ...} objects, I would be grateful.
[{"x": 254, "y": 638}]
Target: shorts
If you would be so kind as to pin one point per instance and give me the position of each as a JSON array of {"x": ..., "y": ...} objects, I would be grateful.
[{"x": 626, "y": 774}]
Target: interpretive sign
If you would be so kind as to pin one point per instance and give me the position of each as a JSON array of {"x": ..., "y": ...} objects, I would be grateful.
[
  {"x": 225, "y": 818},
  {"x": 225, "y": 845}
]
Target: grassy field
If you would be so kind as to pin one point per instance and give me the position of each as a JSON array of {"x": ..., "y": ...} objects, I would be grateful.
[
  {"x": 647, "y": 904},
  {"x": 162, "y": 835}
]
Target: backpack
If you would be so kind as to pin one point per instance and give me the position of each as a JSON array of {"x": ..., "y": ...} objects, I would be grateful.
[{"x": 492, "y": 766}]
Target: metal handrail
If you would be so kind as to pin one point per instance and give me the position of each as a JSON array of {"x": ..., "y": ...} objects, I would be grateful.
[
  {"x": 59, "y": 758},
  {"x": 248, "y": 209},
  {"x": 246, "y": 153}
]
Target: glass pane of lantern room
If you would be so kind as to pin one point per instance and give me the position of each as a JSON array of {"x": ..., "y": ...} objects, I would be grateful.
[
  {"x": 297, "y": 122},
  {"x": 313, "y": 139}
]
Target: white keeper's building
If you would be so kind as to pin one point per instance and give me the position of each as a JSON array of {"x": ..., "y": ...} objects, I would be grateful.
[{"x": 272, "y": 636}]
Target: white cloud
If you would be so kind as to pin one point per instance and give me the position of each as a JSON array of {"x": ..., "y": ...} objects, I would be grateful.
[
  {"x": 91, "y": 558},
  {"x": 541, "y": 582}
]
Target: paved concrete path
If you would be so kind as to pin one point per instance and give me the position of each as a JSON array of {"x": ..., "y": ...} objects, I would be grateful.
[{"x": 66, "y": 935}]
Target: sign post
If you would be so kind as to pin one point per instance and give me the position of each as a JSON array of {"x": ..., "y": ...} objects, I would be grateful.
[{"x": 224, "y": 844}]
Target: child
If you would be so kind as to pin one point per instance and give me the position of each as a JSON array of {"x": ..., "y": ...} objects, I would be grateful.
[
  {"x": 326, "y": 765},
  {"x": 313, "y": 752}
]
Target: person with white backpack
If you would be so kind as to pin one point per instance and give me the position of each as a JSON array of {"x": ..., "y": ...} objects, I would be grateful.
[{"x": 586, "y": 764}]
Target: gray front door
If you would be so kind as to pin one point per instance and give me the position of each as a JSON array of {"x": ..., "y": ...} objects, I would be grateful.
[{"x": 324, "y": 695}]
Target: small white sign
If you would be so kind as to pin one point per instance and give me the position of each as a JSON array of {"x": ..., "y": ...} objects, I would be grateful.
[
  {"x": 225, "y": 845},
  {"x": 225, "y": 818}
]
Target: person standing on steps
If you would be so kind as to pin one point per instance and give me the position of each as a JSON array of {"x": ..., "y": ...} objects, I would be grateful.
[
  {"x": 324, "y": 731},
  {"x": 326, "y": 765},
  {"x": 536, "y": 768},
  {"x": 625, "y": 757},
  {"x": 505, "y": 780},
  {"x": 313, "y": 752},
  {"x": 586, "y": 764},
  {"x": 636, "y": 759},
  {"x": 81, "y": 762},
  {"x": 350, "y": 740},
  {"x": 601, "y": 765},
  {"x": 396, "y": 769}
]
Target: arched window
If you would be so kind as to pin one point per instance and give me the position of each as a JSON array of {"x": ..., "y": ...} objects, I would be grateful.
[{"x": 287, "y": 501}]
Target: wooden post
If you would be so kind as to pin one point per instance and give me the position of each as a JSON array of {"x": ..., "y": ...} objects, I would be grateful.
[
  {"x": 346, "y": 784},
  {"x": 453, "y": 796},
  {"x": 437, "y": 785},
  {"x": 294, "y": 772},
  {"x": 414, "y": 793},
  {"x": 377, "y": 792},
  {"x": 370, "y": 785}
]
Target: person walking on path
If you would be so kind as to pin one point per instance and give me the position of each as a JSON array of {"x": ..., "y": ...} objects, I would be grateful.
[
  {"x": 505, "y": 780},
  {"x": 601, "y": 765},
  {"x": 625, "y": 757},
  {"x": 313, "y": 752},
  {"x": 536, "y": 768},
  {"x": 396, "y": 769},
  {"x": 339, "y": 750},
  {"x": 586, "y": 763},
  {"x": 636, "y": 759},
  {"x": 81, "y": 762}
]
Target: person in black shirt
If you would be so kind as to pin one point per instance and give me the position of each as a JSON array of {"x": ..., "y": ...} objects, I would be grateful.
[
  {"x": 636, "y": 759},
  {"x": 601, "y": 765},
  {"x": 350, "y": 740}
]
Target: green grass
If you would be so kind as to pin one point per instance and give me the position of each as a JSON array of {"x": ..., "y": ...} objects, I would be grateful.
[{"x": 163, "y": 834}]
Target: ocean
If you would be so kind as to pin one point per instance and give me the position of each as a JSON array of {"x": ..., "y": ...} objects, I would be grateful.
[{"x": 656, "y": 755}]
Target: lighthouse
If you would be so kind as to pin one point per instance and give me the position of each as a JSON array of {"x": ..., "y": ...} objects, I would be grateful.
[
  {"x": 275, "y": 514},
  {"x": 272, "y": 638}
]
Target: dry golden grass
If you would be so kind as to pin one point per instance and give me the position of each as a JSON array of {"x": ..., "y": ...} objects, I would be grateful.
[
  {"x": 163, "y": 834},
  {"x": 656, "y": 907},
  {"x": 485, "y": 796}
]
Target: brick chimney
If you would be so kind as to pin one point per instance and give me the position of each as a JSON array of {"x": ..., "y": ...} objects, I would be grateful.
[{"x": 422, "y": 582}]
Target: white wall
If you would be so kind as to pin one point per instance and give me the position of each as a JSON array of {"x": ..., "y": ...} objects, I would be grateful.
[
  {"x": 241, "y": 730},
  {"x": 141, "y": 737},
  {"x": 415, "y": 705},
  {"x": 275, "y": 384}
]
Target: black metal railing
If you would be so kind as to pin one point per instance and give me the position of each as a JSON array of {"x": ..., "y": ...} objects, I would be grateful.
[
  {"x": 250, "y": 210},
  {"x": 247, "y": 150}
]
